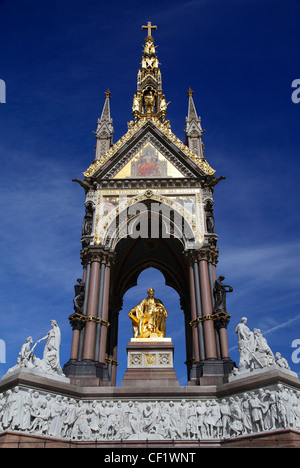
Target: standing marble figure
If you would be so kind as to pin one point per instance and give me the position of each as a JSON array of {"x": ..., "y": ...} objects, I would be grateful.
[{"x": 51, "y": 361}]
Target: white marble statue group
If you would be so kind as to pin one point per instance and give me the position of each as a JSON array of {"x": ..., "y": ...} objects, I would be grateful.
[
  {"x": 50, "y": 363},
  {"x": 49, "y": 414},
  {"x": 39, "y": 413},
  {"x": 254, "y": 350}
]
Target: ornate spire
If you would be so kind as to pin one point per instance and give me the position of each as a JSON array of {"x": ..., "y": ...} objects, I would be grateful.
[
  {"x": 105, "y": 129},
  {"x": 149, "y": 100},
  {"x": 193, "y": 129}
]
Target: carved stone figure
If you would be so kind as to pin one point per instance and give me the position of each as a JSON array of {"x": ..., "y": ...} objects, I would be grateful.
[
  {"x": 281, "y": 361},
  {"x": 210, "y": 220},
  {"x": 246, "y": 414},
  {"x": 256, "y": 412},
  {"x": 25, "y": 357},
  {"x": 50, "y": 364},
  {"x": 15, "y": 409},
  {"x": 236, "y": 424},
  {"x": 25, "y": 419},
  {"x": 87, "y": 225},
  {"x": 149, "y": 98},
  {"x": 136, "y": 103},
  {"x": 79, "y": 296},
  {"x": 79, "y": 430},
  {"x": 220, "y": 290},
  {"x": 69, "y": 418},
  {"x": 255, "y": 353},
  {"x": 41, "y": 419},
  {"x": 245, "y": 344},
  {"x": 263, "y": 355},
  {"x": 192, "y": 428},
  {"x": 56, "y": 420},
  {"x": 225, "y": 418},
  {"x": 149, "y": 317},
  {"x": 254, "y": 350},
  {"x": 163, "y": 104}
]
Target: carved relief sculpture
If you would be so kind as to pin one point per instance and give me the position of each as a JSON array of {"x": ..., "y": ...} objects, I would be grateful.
[{"x": 53, "y": 415}]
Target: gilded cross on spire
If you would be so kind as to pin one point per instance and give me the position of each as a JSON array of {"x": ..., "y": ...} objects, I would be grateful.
[{"x": 149, "y": 27}]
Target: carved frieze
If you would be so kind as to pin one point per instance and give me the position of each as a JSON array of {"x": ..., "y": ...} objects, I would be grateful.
[{"x": 44, "y": 413}]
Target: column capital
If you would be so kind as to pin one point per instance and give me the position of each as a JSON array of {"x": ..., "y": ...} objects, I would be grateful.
[
  {"x": 77, "y": 321},
  {"x": 116, "y": 304},
  {"x": 221, "y": 320},
  {"x": 206, "y": 252},
  {"x": 95, "y": 253}
]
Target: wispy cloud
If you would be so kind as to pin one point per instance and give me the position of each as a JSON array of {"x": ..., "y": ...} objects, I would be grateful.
[{"x": 282, "y": 325}]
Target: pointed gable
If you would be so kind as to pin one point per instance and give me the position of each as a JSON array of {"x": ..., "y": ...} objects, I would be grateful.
[{"x": 182, "y": 158}]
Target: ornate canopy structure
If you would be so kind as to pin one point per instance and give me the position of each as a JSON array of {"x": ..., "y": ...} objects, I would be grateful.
[{"x": 149, "y": 202}]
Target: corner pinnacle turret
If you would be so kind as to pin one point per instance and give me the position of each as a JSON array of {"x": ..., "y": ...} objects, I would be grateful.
[
  {"x": 149, "y": 100},
  {"x": 105, "y": 129},
  {"x": 193, "y": 129}
]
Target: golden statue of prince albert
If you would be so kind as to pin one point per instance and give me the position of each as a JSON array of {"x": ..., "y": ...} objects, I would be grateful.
[{"x": 149, "y": 318}]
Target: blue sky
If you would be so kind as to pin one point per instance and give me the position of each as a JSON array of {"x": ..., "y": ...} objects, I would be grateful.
[{"x": 57, "y": 59}]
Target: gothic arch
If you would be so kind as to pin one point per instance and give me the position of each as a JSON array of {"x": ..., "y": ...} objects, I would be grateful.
[
  {"x": 132, "y": 257},
  {"x": 166, "y": 255},
  {"x": 157, "y": 215},
  {"x": 134, "y": 253}
]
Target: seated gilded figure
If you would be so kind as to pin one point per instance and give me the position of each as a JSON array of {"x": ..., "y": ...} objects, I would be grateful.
[{"x": 149, "y": 317}]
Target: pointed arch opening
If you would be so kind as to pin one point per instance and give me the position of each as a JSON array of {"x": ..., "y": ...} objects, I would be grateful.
[
  {"x": 160, "y": 263},
  {"x": 153, "y": 277}
]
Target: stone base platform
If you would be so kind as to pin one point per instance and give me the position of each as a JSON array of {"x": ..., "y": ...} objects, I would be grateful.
[
  {"x": 150, "y": 362},
  {"x": 41, "y": 412}
]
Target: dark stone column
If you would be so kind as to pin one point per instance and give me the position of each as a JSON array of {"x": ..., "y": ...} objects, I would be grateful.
[
  {"x": 90, "y": 327},
  {"x": 199, "y": 311},
  {"x": 112, "y": 342},
  {"x": 105, "y": 305},
  {"x": 194, "y": 314},
  {"x": 86, "y": 369},
  {"x": 100, "y": 309},
  {"x": 207, "y": 311}
]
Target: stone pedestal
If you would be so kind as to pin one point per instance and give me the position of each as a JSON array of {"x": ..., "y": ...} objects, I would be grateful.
[
  {"x": 87, "y": 373},
  {"x": 150, "y": 416},
  {"x": 150, "y": 362}
]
